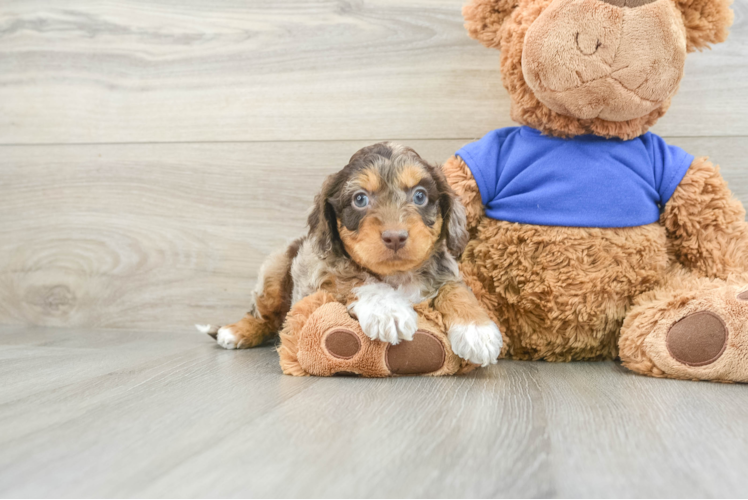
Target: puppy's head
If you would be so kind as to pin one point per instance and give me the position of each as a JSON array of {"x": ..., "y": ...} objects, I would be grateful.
[{"x": 388, "y": 210}]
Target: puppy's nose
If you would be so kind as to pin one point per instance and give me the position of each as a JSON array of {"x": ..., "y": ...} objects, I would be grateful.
[{"x": 394, "y": 240}]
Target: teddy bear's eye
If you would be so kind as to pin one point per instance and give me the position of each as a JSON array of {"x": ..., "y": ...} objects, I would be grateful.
[
  {"x": 360, "y": 200},
  {"x": 420, "y": 197}
]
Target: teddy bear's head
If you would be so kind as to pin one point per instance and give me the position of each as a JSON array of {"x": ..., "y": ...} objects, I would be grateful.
[{"x": 603, "y": 67}]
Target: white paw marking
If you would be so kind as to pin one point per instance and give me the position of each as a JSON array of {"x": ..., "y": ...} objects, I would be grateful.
[
  {"x": 384, "y": 313},
  {"x": 479, "y": 344},
  {"x": 207, "y": 329},
  {"x": 226, "y": 338}
]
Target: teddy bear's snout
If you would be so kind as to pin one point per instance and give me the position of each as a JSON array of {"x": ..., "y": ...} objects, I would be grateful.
[{"x": 607, "y": 59}]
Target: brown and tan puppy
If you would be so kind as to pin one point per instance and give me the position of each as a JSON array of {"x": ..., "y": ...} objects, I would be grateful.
[
  {"x": 383, "y": 236},
  {"x": 671, "y": 298}
]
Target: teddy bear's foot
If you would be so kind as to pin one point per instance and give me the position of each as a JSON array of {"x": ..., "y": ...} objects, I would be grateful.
[
  {"x": 422, "y": 355},
  {"x": 332, "y": 343},
  {"x": 696, "y": 333}
]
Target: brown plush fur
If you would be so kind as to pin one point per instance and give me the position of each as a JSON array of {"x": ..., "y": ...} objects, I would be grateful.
[
  {"x": 706, "y": 22},
  {"x": 706, "y": 224},
  {"x": 289, "y": 335},
  {"x": 620, "y": 64},
  {"x": 609, "y": 68},
  {"x": 463, "y": 184},
  {"x": 504, "y": 25},
  {"x": 563, "y": 293}
]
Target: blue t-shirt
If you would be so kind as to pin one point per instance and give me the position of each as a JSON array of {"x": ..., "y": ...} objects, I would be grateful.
[{"x": 587, "y": 181}]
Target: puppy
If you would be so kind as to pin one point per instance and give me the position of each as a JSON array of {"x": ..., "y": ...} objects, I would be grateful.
[{"x": 384, "y": 234}]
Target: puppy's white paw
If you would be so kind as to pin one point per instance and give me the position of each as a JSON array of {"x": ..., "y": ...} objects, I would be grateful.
[
  {"x": 211, "y": 330},
  {"x": 226, "y": 338},
  {"x": 384, "y": 314},
  {"x": 479, "y": 344}
]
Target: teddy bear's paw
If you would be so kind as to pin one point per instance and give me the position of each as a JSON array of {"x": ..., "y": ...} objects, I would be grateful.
[
  {"x": 699, "y": 332},
  {"x": 384, "y": 313},
  {"x": 479, "y": 344}
]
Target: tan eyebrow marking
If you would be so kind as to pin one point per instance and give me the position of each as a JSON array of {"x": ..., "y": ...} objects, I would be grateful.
[
  {"x": 369, "y": 180},
  {"x": 410, "y": 176}
]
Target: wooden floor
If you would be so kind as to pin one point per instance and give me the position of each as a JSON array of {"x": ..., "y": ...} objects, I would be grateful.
[
  {"x": 154, "y": 152},
  {"x": 122, "y": 414}
]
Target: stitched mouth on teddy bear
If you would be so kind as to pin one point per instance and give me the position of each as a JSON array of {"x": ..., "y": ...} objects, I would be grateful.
[
  {"x": 604, "y": 98},
  {"x": 589, "y": 59}
]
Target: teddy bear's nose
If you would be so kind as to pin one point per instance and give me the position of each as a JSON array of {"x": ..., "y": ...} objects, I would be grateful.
[{"x": 628, "y": 3}]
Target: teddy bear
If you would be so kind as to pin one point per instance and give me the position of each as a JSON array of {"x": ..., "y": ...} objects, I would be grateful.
[
  {"x": 592, "y": 238},
  {"x": 320, "y": 338}
]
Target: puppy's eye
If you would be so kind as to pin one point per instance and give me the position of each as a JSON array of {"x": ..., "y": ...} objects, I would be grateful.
[
  {"x": 360, "y": 200},
  {"x": 420, "y": 197}
]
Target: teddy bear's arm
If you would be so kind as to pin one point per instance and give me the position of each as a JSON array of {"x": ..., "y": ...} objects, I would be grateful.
[
  {"x": 706, "y": 224},
  {"x": 461, "y": 179}
]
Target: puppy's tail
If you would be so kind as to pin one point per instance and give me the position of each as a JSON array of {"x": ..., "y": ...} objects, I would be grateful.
[
  {"x": 211, "y": 330},
  {"x": 272, "y": 301}
]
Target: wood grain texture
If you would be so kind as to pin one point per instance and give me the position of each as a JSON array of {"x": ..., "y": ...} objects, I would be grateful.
[
  {"x": 163, "y": 236},
  {"x": 234, "y": 70},
  {"x": 89, "y": 413},
  {"x": 152, "y": 236},
  {"x": 153, "y": 152}
]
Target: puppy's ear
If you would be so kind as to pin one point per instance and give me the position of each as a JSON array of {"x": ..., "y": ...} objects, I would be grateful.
[
  {"x": 484, "y": 19},
  {"x": 706, "y": 21},
  {"x": 454, "y": 226},
  {"x": 323, "y": 220},
  {"x": 457, "y": 235}
]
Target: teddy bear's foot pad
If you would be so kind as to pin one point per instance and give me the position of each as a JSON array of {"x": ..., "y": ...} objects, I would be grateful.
[
  {"x": 424, "y": 354},
  {"x": 697, "y": 331},
  {"x": 342, "y": 343},
  {"x": 699, "y": 339}
]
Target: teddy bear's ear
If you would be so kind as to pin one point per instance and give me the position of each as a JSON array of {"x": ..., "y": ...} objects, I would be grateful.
[
  {"x": 483, "y": 19},
  {"x": 707, "y": 21}
]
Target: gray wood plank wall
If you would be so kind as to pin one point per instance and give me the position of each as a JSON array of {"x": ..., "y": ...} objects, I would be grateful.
[{"x": 153, "y": 152}]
